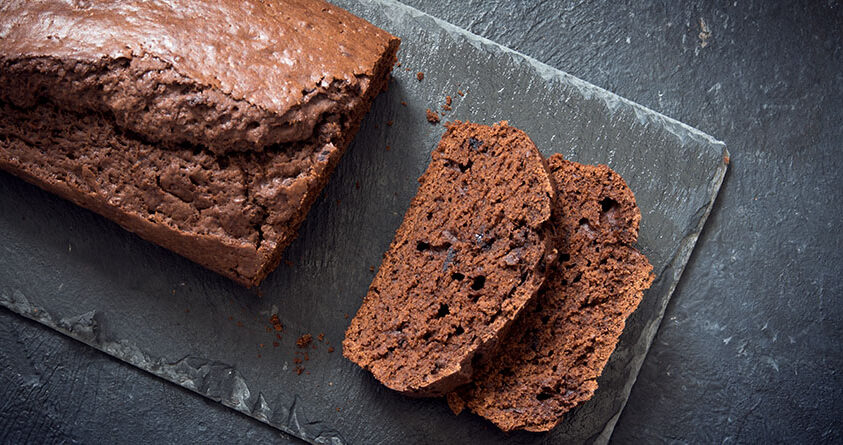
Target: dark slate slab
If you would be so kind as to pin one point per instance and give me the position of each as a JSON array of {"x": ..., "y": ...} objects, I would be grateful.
[{"x": 84, "y": 276}]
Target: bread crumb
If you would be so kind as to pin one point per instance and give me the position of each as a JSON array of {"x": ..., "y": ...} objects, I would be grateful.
[
  {"x": 321, "y": 336},
  {"x": 398, "y": 64},
  {"x": 460, "y": 93},
  {"x": 346, "y": 316},
  {"x": 330, "y": 349},
  {"x": 432, "y": 117},
  {"x": 448, "y": 100},
  {"x": 276, "y": 344},
  {"x": 388, "y": 148},
  {"x": 276, "y": 323},
  {"x": 404, "y": 103},
  {"x": 726, "y": 159},
  {"x": 304, "y": 341},
  {"x": 420, "y": 76},
  {"x": 389, "y": 123},
  {"x": 371, "y": 268}
]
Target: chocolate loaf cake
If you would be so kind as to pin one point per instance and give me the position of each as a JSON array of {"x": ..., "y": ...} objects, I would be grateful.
[
  {"x": 206, "y": 127},
  {"x": 470, "y": 254},
  {"x": 559, "y": 345}
]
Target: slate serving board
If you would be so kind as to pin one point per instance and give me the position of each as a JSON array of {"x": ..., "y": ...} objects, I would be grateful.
[{"x": 84, "y": 276}]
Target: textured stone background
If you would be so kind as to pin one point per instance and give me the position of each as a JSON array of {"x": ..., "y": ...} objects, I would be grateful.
[{"x": 749, "y": 349}]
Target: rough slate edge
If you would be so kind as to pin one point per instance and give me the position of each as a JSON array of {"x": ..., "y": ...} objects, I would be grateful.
[{"x": 224, "y": 383}]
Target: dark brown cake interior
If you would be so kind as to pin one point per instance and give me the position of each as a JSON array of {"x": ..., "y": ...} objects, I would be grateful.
[
  {"x": 559, "y": 345},
  {"x": 468, "y": 257}
]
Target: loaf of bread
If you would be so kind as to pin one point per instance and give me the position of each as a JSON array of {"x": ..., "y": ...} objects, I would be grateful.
[
  {"x": 208, "y": 128},
  {"x": 472, "y": 251},
  {"x": 560, "y": 344}
]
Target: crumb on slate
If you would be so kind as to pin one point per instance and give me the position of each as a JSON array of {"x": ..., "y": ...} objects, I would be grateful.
[
  {"x": 389, "y": 123},
  {"x": 304, "y": 341},
  {"x": 448, "y": 100},
  {"x": 330, "y": 349},
  {"x": 432, "y": 116},
  {"x": 276, "y": 323},
  {"x": 321, "y": 336},
  {"x": 460, "y": 92},
  {"x": 404, "y": 103},
  {"x": 420, "y": 76}
]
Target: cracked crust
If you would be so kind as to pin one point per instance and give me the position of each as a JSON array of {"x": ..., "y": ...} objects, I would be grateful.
[
  {"x": 562, "y": 341},
  {"x": 471, "y": 252},
  {"x": 259, "y": 72},
  {"x": 150, "y": 98}
]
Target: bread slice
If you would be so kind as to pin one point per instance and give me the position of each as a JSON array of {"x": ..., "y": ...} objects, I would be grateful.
[
  {"x": 470, "y": 254},
  {"x": 213, "y": 144},
  {"x": 559, "y": 345}
]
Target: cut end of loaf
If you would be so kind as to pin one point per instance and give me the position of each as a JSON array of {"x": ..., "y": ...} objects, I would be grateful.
[
  {"x": 471, "y": 252},
  {"x": 563, "y": 340}
]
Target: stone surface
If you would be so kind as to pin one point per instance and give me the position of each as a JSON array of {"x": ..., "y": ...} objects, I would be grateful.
[{"x": 760, "y": 287}]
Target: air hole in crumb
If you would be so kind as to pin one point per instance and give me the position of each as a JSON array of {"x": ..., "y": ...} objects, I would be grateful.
[
  {"x": 443, "y": 310},
  {"x": 563, "y": 257},
  {"x": 252, "y": 125},
  {"x": 545, "y": 318},
  {"x": 507, "y": 372},
  {"x": 427, "y": 335},
  {"x": 577, "y": 278},
  {"x": 457, "y": 276},
  {"x": 459, "y": 330},
  {"x": 465, "y": 167},
  {"x": 543, "y": 396},
  {"x": 421, "y": 246},
  {"x": 607, "y": 203},
  {"x": 583, "y": 221},
  {"x": 223, "y": 163},
  {"x": 429, "y": 216},
  {"x": 475, "y": 297},
  {"x": 478, "y": 282}
]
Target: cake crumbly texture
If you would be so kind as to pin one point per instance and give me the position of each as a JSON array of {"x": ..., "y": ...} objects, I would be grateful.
[
  {"x": 560, "y": 344},
  {"x": 471, "y": 252},
  {"x": 207, "y": 128}
]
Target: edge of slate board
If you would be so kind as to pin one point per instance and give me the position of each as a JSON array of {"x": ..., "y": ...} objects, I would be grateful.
[{"x": 226, "y": 385}]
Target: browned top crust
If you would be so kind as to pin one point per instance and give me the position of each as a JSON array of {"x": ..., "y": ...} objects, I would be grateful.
[
  {"x": 229, "y": 75},
  {"x": 469, "y": 255}
]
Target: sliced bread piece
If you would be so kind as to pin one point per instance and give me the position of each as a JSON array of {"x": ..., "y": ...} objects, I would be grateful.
[
  {"x": 559, "y": 345},
  {"x": 470, "y": 254}
]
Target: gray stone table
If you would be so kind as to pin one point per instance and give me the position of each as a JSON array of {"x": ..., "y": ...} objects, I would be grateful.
[{"x": 749, "y": 349}]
